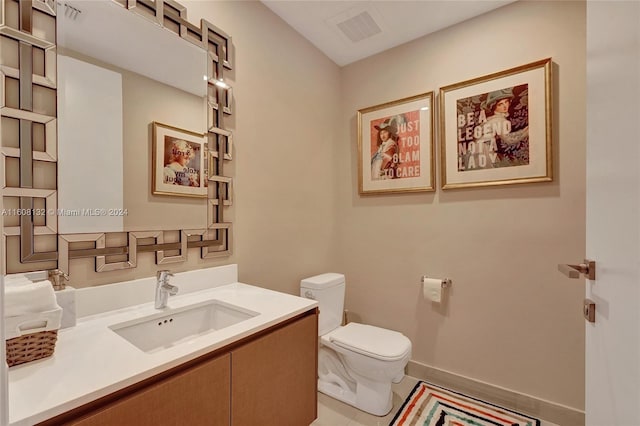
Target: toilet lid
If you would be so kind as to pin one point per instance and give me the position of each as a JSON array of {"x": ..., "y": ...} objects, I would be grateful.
[{"x": 372, "y": 341}]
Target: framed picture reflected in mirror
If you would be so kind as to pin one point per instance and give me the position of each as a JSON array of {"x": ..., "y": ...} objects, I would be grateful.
[{"x": 178, "y": 162}]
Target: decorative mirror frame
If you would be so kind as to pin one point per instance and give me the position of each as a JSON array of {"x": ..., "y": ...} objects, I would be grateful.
[{"x": 32, "y": 24}]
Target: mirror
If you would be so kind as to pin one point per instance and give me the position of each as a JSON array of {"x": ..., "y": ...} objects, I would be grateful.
[{"x": 114, "y": 81}]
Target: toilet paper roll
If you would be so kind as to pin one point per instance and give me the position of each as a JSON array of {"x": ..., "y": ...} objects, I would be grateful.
[{"x": 432, "y": 289}]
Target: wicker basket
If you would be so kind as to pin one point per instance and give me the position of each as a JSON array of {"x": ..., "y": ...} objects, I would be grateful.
[{"x": 31, "y": 347}]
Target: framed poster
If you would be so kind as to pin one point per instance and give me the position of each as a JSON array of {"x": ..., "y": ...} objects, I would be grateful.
[
  {"x": 178, "y": 162},
  {"x": 496, "y": 129},
  {"x": 395, "y": 146}
]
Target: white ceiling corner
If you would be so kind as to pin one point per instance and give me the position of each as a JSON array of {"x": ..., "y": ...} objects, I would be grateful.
[{"x": 400, "y": 21}]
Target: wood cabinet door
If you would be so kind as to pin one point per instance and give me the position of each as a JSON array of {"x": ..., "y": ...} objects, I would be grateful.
[
  {"x": 197, "y": 396},
  {"x": 274, "y": 378}
]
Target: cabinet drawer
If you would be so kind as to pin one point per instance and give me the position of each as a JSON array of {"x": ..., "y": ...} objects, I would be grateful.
[
  {"x": 274, "y": 378},
  {"x": 197, "y": 396}
]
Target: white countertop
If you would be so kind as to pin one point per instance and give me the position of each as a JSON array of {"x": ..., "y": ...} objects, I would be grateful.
[{"x": 91, "y": 361}]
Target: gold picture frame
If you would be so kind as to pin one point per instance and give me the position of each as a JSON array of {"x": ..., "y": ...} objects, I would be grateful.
[
  {"x": 396, "y": 146},
  {"x": 497, "y": 129},
  {"x": 178, "y": 162}
]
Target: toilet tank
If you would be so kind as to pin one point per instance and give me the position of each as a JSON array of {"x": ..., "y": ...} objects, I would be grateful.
[{"x": 328, "y": 290}]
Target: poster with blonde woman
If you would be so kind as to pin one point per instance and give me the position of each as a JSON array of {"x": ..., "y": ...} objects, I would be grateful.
[
  {"x": 182, "y": 162},
  {"x": 178, "y": 162}
]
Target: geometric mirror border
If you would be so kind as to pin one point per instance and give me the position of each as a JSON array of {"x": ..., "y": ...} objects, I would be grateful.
[{"x": 215, "y": 241}]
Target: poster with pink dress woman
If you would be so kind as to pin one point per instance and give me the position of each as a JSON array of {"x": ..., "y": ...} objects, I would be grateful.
[{"x": 395, "y": 146}]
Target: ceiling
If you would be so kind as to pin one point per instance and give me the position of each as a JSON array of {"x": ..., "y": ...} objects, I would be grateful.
[{"x": 347, "y": 31}]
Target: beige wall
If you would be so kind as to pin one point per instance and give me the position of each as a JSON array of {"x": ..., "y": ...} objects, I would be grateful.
[
  {"x": 510, "y": 319},
  {"x": 298, "y": 212},
  {"x": 145, "y": 101},
  {"x": 287, "y": 104}
]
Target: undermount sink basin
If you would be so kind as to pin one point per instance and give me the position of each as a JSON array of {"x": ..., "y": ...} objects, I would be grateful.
[{"x": 166, "y": 329}]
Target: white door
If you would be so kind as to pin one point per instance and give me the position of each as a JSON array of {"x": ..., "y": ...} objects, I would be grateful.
[
  {"x": 4, "y": 408},
  {"x": 613, "y": 212},
  {"x": 4, "y": 398}
]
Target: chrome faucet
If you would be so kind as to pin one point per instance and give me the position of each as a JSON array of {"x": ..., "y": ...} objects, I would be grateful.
[{"x": 164, "y": 289}]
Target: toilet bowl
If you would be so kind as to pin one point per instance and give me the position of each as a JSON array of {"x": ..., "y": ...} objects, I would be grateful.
[{"x": 357, "y": 363}]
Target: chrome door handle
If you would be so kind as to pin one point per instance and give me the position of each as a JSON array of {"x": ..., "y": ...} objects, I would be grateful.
[{"x": 588, "y": 268}]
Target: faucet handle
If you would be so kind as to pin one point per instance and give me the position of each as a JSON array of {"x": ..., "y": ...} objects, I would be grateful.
[
  {"x": 56, "y": 276},
  {"x": 163, "y": 274}
]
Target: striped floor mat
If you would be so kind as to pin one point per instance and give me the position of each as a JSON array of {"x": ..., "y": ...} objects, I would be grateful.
[{"x": 430, "y": 405}]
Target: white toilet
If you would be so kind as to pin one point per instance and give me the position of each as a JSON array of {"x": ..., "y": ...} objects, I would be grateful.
[{"x": 356, "y": 363}]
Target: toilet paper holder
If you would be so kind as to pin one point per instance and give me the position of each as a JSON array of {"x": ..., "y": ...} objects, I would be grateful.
[{"x": 445, "y": 282}]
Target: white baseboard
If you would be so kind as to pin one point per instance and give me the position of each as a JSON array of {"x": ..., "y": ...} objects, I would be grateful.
[{"x": 526, "y": 404}]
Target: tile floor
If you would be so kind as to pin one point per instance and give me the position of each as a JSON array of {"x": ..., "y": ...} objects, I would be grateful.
[{"x": 332, "y": 412}]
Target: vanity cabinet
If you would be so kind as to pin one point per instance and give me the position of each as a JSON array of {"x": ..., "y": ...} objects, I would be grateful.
[
  {"x": 197, "y": 396},
  {"x": 274, "y": 378},
  {"x": 269, "y": 378}
]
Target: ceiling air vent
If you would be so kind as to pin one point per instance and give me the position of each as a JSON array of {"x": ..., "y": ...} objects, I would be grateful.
[{"x": 356, "y": 27}]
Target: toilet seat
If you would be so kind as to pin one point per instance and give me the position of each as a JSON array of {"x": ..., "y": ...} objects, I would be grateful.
[{"x": 374, "y": 342}]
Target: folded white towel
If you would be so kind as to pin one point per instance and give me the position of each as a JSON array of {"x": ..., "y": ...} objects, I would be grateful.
[
  {"x": 16, "y": 282},
  {"x": 13, "y": 277},
  {"x": 24, "y": 298}
]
